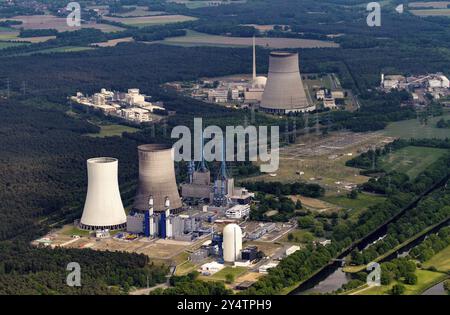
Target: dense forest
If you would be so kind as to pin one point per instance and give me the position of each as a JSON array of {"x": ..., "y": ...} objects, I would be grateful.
[
  {"x": 28, "y": 270},
  {"x": 190, "y": 285}
]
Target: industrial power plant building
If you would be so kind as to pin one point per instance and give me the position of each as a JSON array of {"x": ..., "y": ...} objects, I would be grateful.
[
  {"x": 103, "y": 208},
  {"x": 284, "y": 91},
  {"x": 156, "y": 178}
]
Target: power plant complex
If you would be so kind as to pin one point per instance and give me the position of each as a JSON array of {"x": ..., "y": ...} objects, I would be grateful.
[
  {"x": 158, "y": 211},
  {"x": 281, "y": 92},
  {"x": 207, "y": 216}
]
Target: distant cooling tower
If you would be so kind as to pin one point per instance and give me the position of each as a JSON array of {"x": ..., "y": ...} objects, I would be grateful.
[
  {"x": 232, "y": 242},
  {"x": 284, "y": 91},
  {"x": 156, "y": 178},
  {"x": 103, "y": 208}
]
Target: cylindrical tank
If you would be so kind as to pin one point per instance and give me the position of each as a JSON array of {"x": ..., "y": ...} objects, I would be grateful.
[
  {"x": 232, "y": 242},
  {"x": 156, "y": 178},
  {"x": 284, "y": 90},
  {"x": 103, "y": 208}
]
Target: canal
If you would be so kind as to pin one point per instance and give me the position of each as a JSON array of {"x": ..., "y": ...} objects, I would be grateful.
[{"x": 332, "y": 277}]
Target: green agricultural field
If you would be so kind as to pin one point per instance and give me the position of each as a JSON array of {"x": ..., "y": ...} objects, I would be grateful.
[
  {"x": 441, "y": 261},
  {"x": 356, "y": 206},
  {"x": 193, "y": 38},
  {"x": 431, "y": 12},
  {"x": 112, "y": 130},
  {"x": 196, "y": 4},
  {"x": 425, "y": 279},
  {"x": 220, "y": 276},
  {"x": 411, "y": 160},
  {"x": 141, "y": 21},
  {"x": 6, "y": 34},
  {"x": 9, "y": 44},
  {"x": 65, "y": 49},
  {"x": 408, "y": 129}
]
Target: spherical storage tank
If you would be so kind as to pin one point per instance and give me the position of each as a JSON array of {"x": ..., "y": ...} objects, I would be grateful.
[{"x": 232, "y": 242}]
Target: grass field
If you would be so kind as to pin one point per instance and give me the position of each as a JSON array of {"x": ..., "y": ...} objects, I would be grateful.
[
  {"x": 65, "y": 49},
  {"x": 141, "y": 21},
  {"x": 37, "y": 39},
  {"x": 58, "y": 23},
  {"x": 220, "y": 275},
  {"x": 425, "y": 279},
  {"x": 138, "y": 11},
  {"x": 113, "y": 42},
  {"x": 413, "y": 129},
  {"x": 200, "y": 39},
  {"x": 300, "y": 236},
  {"x": 307, "y": 160},
  {"x": 9, "y": 44},
  {"x": 193, "y": 4},
  {"x": 8, "y": 34},
  {"x": 441, "y": 260},
  {"x": 355, "y": 206},
  {"x": 184, "y": 268},
  {"x": 72, "y": 230},
  {"x": 112, "y": 130},
  {"x": 411, "y": 160},
  {"x": 434, "y": 4},
  {"x": 431, "y": 12}
]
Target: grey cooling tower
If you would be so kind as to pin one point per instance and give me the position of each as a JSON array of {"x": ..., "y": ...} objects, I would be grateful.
[
  {"x": 284, "y": 89},
  {"x": 156, "y": 178}
]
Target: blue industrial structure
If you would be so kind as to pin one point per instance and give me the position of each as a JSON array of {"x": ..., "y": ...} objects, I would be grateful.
[
  {"x": 147, "y": 223},
  {"x": 162, "y": 225}
]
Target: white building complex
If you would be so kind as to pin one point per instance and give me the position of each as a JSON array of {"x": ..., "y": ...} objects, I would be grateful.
[
  {"x": 131, "y": 106},
  {"x": 103, "y": 208},
  {"x": 238, "y": 211}
]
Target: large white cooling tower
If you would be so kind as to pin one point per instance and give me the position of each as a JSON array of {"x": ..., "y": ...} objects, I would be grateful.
[
  {"x": 156, "y": 178},
  {"x": 284, "y": 90},
  {"x": 232, "y": 242},
  {"x": 103, "y": 208}
]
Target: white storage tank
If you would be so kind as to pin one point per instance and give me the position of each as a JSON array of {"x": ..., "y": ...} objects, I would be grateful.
[{"x": 232, "y": 242}]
